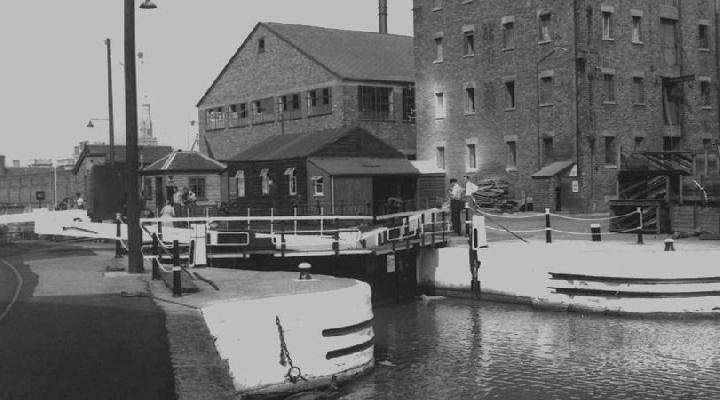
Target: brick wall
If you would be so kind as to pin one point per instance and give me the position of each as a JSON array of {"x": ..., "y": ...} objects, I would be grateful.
[{"x": 577, "y": 117}]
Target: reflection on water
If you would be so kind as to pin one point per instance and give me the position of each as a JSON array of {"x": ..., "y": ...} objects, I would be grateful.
[{"x": 458, "y": 349}]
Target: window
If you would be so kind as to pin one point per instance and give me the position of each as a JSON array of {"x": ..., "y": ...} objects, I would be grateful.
[
  {"x": 508, "y": 35},
  {"x": 197, "y": 186},
  {"x": 319, "y": 101},
  {"x": 376, "y": 103},
  {"x": 215, "y": 118},
  {"x": 291, "y": 173},
  {"x": 512, "y": 154},
  {"x": 238, "y": 114},
  {"x": 147, "y": 193},
  {"x": 471, "y": 156},
  {"x": 437, "y": 4},
  {"x": 547, "y": 150},
  {"x": 610, "y": 150},
  {"x": 469, "y": 42},
  {"x": 240, "y": 181},
  {"x": 705, "y": 97},
  {"x": 290, "y": 106},
  {"x": 638, "y": 90},
  {"x": 408, "y": 105},
  {"x": 440, "y": 157},
  {"x": 546, "y": 90},
  {"x": 637, "y": 143},
  {"x": 607, "y": 19},
  {"x": 545, "y": 27},
  {"x": 703, "y": 40},
  {"x": 263, "y": 110},
  {"x": 671, "y": 143},
  {"x": 636, "y": 31},
  {"x": 261, "y": 45},
  {"x": 438, "y": 49},
  {"x": 318, "y": 186},
  {"x": 673, "y": 98},
  {"x": 439, "y": 105},
  {"x": 265, "y": 181},
  {"x": 609, "y": 87},
  {"x": 469, "y": 100},
  {"x": 668, "y": 32},
  {"x": 510, "y": 95}
]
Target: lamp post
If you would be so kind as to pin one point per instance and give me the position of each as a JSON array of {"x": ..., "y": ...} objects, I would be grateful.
[
  {"x": 537, "y": 92},
  {"x": 135, "y": 261}
]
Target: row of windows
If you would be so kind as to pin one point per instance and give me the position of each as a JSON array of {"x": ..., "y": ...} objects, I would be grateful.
[
  {"x": 668, "y": 33},
  {"x": 673, "y": 94},
  {"x": 266, "y": 183},
  {"x": 374, "y": 104},
  {"x": 317, "y": 102}
]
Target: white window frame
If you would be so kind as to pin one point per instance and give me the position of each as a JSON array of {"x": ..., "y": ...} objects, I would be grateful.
[
  {"x": 240, "y": 183},
  {"x": 470, "y": 101},
  {"x": 265, "y": 181},
  {"x": 636, "y": 26},
  {"x": 440, "y": 156},
  {"x": 440, "y": 105},
  {"x": 292, "y": 181},
  {"x": 544, "y": 25},
  {"x": 439, "y": 51},
  {"x": 468, "y": 32},
  {"x": 508, "y": 28},
  {"x": 607, "y": 24},
  {"x": 471, "y": 155},
  {"x": 318, "y": 186}
]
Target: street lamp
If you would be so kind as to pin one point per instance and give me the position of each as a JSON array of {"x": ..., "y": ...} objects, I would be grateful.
[
  {"x": 135, "y": 260},
  {"x": 537, "y": 92}
]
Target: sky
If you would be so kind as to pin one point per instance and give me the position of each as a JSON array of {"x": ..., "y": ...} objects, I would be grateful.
[{"x": 53, "y": 77}]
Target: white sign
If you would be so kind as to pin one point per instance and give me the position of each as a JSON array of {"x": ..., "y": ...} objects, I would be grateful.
[
  {"x": 575, "y": 186},
  {"x": 391, "y": 263}
]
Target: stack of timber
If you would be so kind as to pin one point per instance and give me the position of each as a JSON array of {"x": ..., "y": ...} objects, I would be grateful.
[{"x": 493, "y": 193}]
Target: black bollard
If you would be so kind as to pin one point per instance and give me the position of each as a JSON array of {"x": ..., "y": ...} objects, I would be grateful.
[
  {"x": 669, "y": 245},
  {"x": 177, "y": 284},
  {"x": 155, "y": 262},
  {"x": 118, "y": 245},
  {"x": 595, "y": 231},
  {"x": 640, "y": 227},
  {"x": 548, "y": 232}
]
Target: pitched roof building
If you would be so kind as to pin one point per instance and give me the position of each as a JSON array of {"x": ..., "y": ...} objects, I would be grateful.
[{"x": 287, "y": 79}]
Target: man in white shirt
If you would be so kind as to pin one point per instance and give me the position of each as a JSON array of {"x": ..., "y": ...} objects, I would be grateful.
[{"x": 456, "y": 205}]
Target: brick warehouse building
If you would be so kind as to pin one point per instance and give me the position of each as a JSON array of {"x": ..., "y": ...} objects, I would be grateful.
[
  {"x": 553, "y": 95},
  {"x": 287, "y": 79}
]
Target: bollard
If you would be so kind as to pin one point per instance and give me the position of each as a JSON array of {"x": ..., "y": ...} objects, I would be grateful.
[
  {"x": 595, "y": 230},
  {"x": 336, "y": 242},
  {"x": 155, "y": 262},
  {"x": 177, "y": 285},
  {"x": 118, "y": 245},
  {"x": 467, "y": 220},
  {"x": 669, "y": 245},
  {"x": 432, "y": 232},
  {"x": 191, "y": 256},
  {"x": 640, "y": 227},
  {"x": 548, "y": 232},
  {"x": 283, "y": 243},
  {"x": 304, "y": 271}
]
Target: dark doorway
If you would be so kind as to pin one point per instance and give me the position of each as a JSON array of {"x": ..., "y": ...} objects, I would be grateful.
[
  {"x": 558, "y": 198},
  {"x": 392, "y": 194}
]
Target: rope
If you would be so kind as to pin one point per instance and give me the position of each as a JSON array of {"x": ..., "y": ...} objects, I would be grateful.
[
  {"x": 511, "y": 231},
  {"x": 487, "y": 214},
  {"x": 594, "y": 219},
  {"x": 294, "y": 372},
  {"x": 143, "y": 294}
]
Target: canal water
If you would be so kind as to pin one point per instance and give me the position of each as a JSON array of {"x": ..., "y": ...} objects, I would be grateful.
[{"x": 460, "y": 349}]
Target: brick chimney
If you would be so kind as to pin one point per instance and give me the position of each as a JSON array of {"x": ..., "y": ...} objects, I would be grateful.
[
  {"x": 2, "y": 164},
  {"x": 382, "y": 13}
]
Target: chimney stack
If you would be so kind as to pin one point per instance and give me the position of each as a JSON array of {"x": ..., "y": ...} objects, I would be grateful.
[
  {"x": 382, "y": 13},
  {"x": 2, "y": 164}
]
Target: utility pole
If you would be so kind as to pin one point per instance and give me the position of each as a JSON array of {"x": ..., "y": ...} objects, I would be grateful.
[
  {"x": 134, "y": 236},
  {"x": 111, "y": 149}
]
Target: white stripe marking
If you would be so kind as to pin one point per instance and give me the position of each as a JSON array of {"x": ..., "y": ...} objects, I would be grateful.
[{"x": 17, "y": 289}]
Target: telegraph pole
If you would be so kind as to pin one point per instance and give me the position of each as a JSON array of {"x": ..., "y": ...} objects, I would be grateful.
[{"x": 111, "y": 149}]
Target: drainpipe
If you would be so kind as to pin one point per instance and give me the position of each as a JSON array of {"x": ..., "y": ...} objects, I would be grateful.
[
  {"x": 332, "y": 194},
  {"x": 575, "y": 89},
  {"x": 717, "y": 64}
]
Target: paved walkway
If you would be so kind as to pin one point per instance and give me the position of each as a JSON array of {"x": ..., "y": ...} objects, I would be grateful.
[{"x": 72, "y": 336}]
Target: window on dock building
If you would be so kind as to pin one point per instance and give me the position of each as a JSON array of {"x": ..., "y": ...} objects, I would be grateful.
[
  {"x": 544, "y": 32},
  {"x": 265, "y": 181},
  {"x": 703, "y": 39},
  {"x": 512, "y": 154},
  {"x": 611, "y": 149},
  {"x": 290, "y": 106},
  {"x": 440, "y": 157},
  {"x": 548, "y": 151},
  {"x": 470, "y": 100},
  {"x": 609, "y": 86},
  {"x": 408, "y": 105},
  {"x": 439, "y": 105},
  {"x": 546, "y": 88},
  {"x": 471, "y": 156},
  {"x": 215, "y": 118},
  {"x": 468, "y": 40},
  {"x": 668, "y": 32},
  {"x": 607, "y": 23},
  {"x": 508, "y": 26},
  {"x": 240, "y": 183},
  {"x": 319, "y": 101},
  {"x": 197, "y": 186},
  {"x": 636, "y": 27},
  {"x": 291, "y": 173},
  {"x": 438, "y": 48},
  {"x": 705, "y": 93},
  {"x": 376, "y": 103},
  {"x": 263, "y": 110},
  {"x": 673, "y": 98},
  {"x": 638, "y": 90},
  {"x": 509, "y": 94},
  {"x": 318, "y": 186}
]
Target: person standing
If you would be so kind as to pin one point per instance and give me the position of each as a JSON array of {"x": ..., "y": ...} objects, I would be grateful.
[
  {"x": 79, "y": 202},
  {"x": 167, "y": 212},
  {"x": 456, "y": 205},
  {"x": 470, "y": 188}
]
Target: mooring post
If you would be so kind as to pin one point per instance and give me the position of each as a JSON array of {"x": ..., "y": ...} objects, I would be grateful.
[
  {"x": 191, "y": 256},
  {"x": 118, "y": 244},
  {"x": 432, "y": 232},
  {"x": 669, "y": 245},
  {"x": 548, "y": 231},
  {"x": 640, "y": 227},
  {"x": 155, "y": 262},
  {"x": 595, "y": 231},
  {"x": 336, "y": 242},
  {"x": 248, "y": 218},
  {"x": 177, "y": 285},
  {"x": 159, "y": 229},
  {"x": 272, "y": 220},
  {"x": 295, "y": 221},
  {"x": 282, "y": 239},
  {"x": 467, "y": 220},
  {"x": 442, "y": 214}
]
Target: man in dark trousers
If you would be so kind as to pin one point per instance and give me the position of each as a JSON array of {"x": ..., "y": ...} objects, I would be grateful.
[{"x": 456, "y": 205}]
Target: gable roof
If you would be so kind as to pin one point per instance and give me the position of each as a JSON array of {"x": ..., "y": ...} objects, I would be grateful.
[
  {"x": 287, "y": 147},
  {"x": 180, "y": 161},
  {"x": 350, "y": 55},
  {"x": 148, "y": 154}
]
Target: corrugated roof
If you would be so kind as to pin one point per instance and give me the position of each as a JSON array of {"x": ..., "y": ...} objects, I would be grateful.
[
  {"x": 352, "y": 54},
  {"x": 365, "y": 166},
  {"x": 553, "y": 169},
  {"x": 189, "y": 161},
  {"x": 287, "y": 147}
]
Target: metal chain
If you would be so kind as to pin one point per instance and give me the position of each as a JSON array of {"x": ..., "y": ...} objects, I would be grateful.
[{"x": 294, "y": 372}]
